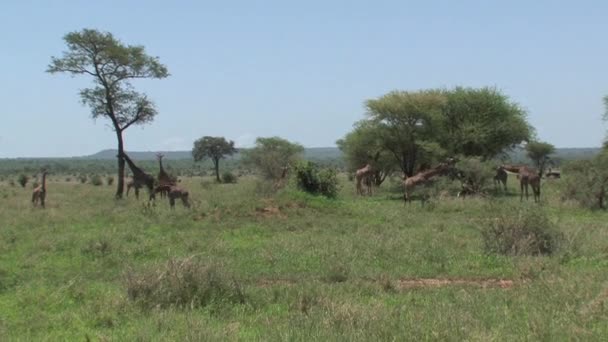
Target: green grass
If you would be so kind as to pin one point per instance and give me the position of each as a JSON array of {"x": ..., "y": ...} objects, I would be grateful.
[{"x": 309, "y": 268}]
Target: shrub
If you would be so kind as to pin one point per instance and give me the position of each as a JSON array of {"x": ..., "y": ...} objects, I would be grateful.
[
  {"x": 228, "y": 177},
  {"x": 318, "y": 182},
  {"x": 475, "y": 174},
  {"x": 586, "y": 182},
  {"x": 23, "y": 179},
  {"x": 82, "y": 178},
  {"x": 110, "y": 180},
  {"x": 523, "y": 231},
  {"x": 182, "y": 283},
  {"x": 96, "y": 180},
  {"x": 12, "y": 182}
]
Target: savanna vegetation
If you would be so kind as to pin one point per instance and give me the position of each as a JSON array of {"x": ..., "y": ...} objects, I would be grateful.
[{"x": 281, "y": 247}]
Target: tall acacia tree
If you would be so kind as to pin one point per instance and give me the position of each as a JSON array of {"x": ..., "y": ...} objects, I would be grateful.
[
  {"x": 214, "y": 148},
  {"x": 112, "y": 65}
]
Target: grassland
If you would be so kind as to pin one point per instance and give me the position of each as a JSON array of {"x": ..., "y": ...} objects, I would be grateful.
[{"x": 307, "y": 268}]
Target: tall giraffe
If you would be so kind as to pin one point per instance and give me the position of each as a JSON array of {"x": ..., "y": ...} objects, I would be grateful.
[
  {"x": 363, "y": 176},
  {"x": 527, "y": 176},
  {"x": 39, "y": 194},
  {"x": 501, "y": 176},
  {"x": 424, "y": 176},
  {"x": 140, "y": 178},
  {"x": 163, "y": 177}
]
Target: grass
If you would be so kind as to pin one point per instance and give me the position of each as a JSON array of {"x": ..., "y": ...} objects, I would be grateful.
[{"x": 306, "y": 268}]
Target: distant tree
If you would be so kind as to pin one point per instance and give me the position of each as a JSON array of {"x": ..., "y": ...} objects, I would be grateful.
[
  {"x": 214, "y": 148},
  {"x": 539, "y": 153},
  {"x": 112, "y": 65},
  {"x": 605, "y": 117},
  {"x": 273, "y": 156},
  {"x": 364, "y": 146}
]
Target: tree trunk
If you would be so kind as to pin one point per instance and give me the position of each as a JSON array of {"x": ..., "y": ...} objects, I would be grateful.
[
  {"x": 121, "y": 166},
  {"x": 216, "y": 163}
]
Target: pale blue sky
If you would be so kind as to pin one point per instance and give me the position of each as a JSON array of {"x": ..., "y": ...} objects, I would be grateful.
[{"x": 301, "y": 70}]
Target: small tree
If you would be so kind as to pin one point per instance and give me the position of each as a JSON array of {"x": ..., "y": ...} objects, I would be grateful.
[
  {"x": 364, "y": 146},
  {"x": 23, "y": 179},
  {"x": 539, "y": 152},
  {"x": 214, "y": 148},
  {"x": 586, "y": 181},
  {"x": 112, "y": 65},
  {"x": 273, "y": 156}
]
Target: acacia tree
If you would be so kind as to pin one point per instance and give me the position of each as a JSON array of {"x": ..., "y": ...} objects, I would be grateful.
[
  {"x": 273, "y": 156},
  {"x": 214, "y": 148},
  {"x": 112, "y": 65},
  {"x": 364, "y": 146},
  {"x": 418, "y": 128},
  {"x": 539, "y": 152},
  {"x": 408, "y": 123}
]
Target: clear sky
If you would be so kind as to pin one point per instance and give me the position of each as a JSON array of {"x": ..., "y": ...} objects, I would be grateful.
[{"x": 300, "y": 69}]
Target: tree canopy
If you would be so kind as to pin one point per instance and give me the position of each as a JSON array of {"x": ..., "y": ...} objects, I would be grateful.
[
  {"x": 214, "y": 148},
  {"x": 418, "y": 128},
  {"x": 363, "y": 146},
  {"x": 539, "y": 152},
  {"x": 273, "y": 156},
  {"x": 112, "y": 65}
]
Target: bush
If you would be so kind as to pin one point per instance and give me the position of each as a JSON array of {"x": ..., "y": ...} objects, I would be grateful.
[
  {"x": 228, "y": 177},
  {"x": 96, "y": 180},
  {"x": 523, "y": 231},
  {"x": 110, "y": 180},
  {"x": 23, "y": 179},
  {"x": 475, "y": 174},
  {"x": 586, "y": 182},
  {"x": 82, "y": 178},
  {"x": 183, "y": 283},
  {"x": 317, "y": 182}
]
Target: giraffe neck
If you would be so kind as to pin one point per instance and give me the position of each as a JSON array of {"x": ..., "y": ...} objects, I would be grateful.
[
  {"x": 44, "y": 182},
  {"x": 432, "y": 172},
  {"x": 137, "y": 172}
]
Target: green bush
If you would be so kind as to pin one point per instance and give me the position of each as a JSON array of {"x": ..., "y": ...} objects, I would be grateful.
[
  {"x": 586, "y": 182},
  {"x": 110, "y": 180},
  {"x": 476, "y": 175},
  {"x": 82, "y": 178},
  {"x": 228, "y": 177},
  {"x": 519, "y": 231},
  {"x": 315, "y": 181},
  {"x": 23, "y": 179},
  {"x": 182, "y": 283},
  {"x": 96, "y": 180}
]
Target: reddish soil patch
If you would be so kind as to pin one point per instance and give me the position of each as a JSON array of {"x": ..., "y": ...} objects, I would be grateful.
[
  {"x": 269, "y": 211},
  {"x": 437, "y": 282}
]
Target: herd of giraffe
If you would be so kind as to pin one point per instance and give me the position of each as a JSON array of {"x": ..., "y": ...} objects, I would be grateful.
[
  {"x": 527, "y": 176},
  {"x": 164, "y": 184}
]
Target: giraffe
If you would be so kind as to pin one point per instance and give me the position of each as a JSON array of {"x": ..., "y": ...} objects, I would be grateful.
[
  {"x": 140, "y": 178},
  {"x": 131, "y": 184},
  {"x": 500, "y": 177},
  {"x": 363, "y": 177},
  {"x": 39, "y": 193},
  {"x": 163, "y": 177},
  {"x": 174, "y": 192},
  {"x": 527, "y": 177},
  {"x": 423, "y": 177}
]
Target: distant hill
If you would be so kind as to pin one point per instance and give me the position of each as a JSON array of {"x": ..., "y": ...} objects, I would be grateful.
[{"x": 312, "y": 153}]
